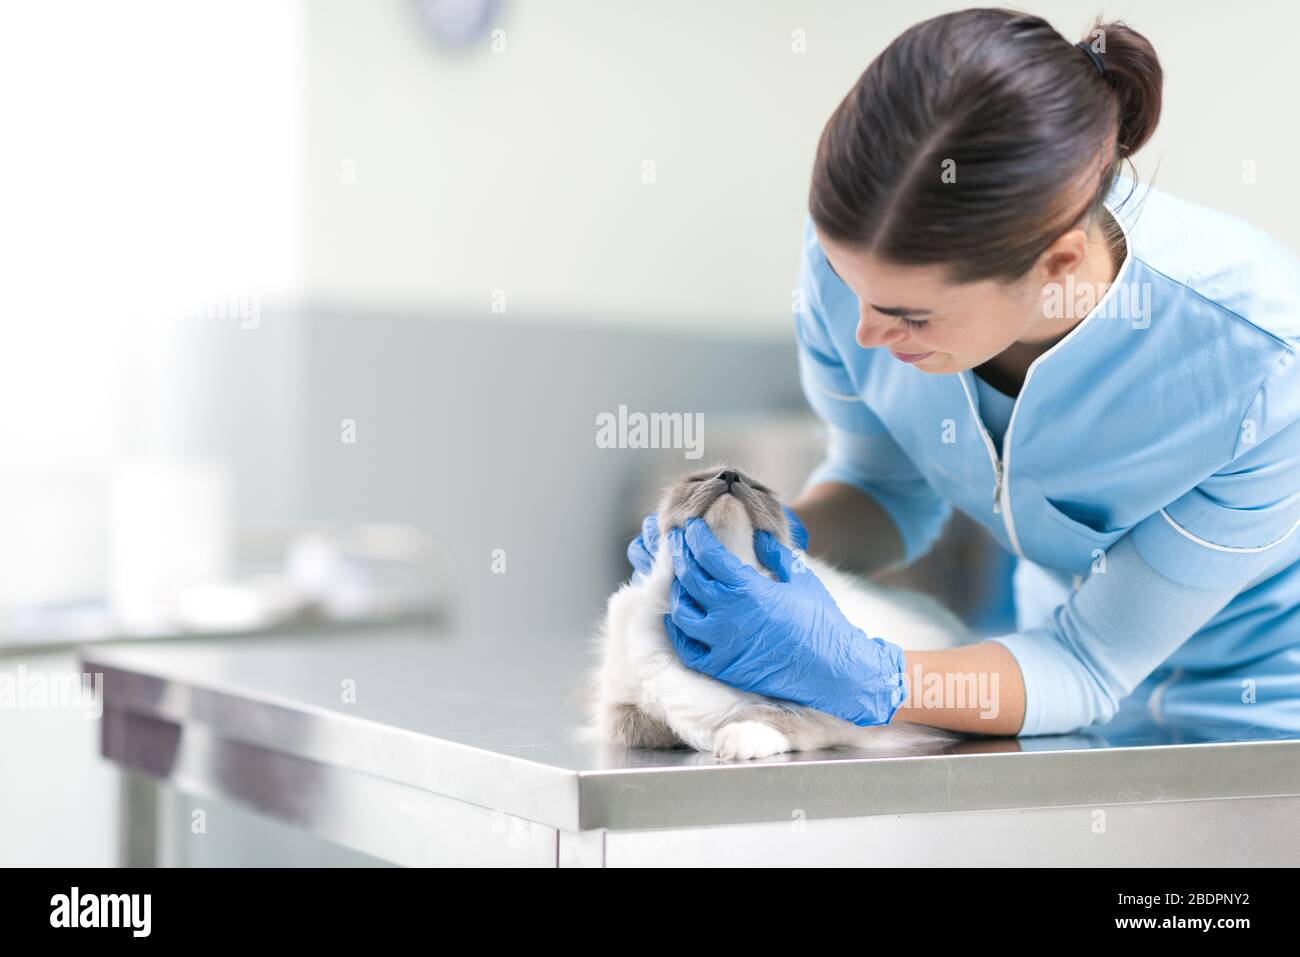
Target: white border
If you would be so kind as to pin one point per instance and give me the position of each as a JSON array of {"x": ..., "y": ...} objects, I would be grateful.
[{"x": 1227, "y": 548}]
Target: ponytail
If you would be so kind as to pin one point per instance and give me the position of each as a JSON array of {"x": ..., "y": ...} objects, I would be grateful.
[{"x": 1133, "y": 72}]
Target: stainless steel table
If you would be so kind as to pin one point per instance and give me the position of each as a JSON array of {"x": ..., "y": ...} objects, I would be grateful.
[{"x": 461, "y": 750}]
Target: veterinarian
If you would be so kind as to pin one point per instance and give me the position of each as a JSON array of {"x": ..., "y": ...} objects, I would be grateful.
[{"x": 991, "y": 318}]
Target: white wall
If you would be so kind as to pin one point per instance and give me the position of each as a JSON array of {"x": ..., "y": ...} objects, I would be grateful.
[
  {"x": 152, "y": 165},
  {"x": 59, "y": 799},
  {"x": 151, "y": 162},
  {"x": 435, "y": 178}
]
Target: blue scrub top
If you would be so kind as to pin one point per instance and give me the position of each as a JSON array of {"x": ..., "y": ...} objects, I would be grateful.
[
  {"x": 995, "y": 410},
  {"x": 1168, "y": 419}
]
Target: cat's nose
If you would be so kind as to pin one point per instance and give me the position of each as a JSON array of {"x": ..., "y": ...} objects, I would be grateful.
[{"x": 730, "y": 477}]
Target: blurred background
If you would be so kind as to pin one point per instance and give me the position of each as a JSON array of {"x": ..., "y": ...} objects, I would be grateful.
[{"x": 311, "y": 307}]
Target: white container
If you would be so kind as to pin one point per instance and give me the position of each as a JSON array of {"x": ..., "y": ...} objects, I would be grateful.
[
  {"x": 171, "y": 529},
  {"x": 54, "y": 538}
]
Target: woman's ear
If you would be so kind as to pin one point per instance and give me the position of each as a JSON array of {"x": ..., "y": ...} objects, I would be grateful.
[{"x": 1065, "y": 256}]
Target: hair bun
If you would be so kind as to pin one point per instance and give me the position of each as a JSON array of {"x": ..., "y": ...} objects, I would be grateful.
[{"x": 1133, "y": 71}]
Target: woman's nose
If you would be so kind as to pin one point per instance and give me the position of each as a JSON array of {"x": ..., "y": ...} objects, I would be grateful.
[{"x": 876, "y": 330}]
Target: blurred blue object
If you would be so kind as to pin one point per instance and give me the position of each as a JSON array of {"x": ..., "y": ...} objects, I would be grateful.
[{"x": 458, "y": 23}]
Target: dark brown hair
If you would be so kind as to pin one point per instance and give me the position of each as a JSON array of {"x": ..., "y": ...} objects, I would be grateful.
[{"x": 977, "y": 138}]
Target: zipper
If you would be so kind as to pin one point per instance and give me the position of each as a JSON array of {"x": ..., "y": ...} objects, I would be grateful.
[
  {"x": 1007, "y": 518},
  {"x": 999, "y": 466}
]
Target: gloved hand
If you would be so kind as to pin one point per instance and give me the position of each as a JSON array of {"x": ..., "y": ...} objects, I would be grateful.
[
  {"x": 784, "y": 639},
  {"x": 641, "y": 551}
]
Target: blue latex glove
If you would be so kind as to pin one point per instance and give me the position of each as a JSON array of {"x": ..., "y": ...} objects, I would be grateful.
[
  {"x": 641, "y": 551},
  {"x": 784, "y": 639}
]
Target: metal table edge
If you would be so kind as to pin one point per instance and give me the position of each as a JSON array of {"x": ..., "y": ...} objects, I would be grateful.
[
  {"x": 548, "y": 796},
  {"x": 869, "y": 786},
  {"x": 766, "y": 791}
]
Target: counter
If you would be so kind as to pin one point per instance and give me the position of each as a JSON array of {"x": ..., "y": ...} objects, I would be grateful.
[{"x": 418, "y": 748}]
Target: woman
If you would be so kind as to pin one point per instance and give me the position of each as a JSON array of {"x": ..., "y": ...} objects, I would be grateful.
[{"x": 991, "y": 318}]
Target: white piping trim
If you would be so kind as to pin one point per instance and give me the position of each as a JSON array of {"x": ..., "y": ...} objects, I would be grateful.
[
  {"x": 999, "y": 469},
  {"x": 1011, "y": 423},
  {"x": 1226, "y": 548},
  {"x": 1157, "y": 697}
]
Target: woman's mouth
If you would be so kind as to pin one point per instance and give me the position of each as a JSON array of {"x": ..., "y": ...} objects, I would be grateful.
[{"x": 910, "y": 356}]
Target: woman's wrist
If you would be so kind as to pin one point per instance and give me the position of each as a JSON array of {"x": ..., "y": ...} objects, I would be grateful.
[
  {"x": 883, "y": 686},
  {"x": 975, "y": 689}
]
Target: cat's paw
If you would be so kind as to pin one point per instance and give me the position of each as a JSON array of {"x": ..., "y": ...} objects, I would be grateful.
[{"x": 743, "y": 740}]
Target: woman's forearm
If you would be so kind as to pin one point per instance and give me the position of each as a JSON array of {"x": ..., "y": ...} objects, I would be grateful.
[
  {"x": 977, "y": 689},
  {"x": 848, "y": 529}
]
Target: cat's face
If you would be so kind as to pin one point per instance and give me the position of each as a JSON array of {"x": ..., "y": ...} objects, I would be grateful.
[{"x": 728, "y": 500}]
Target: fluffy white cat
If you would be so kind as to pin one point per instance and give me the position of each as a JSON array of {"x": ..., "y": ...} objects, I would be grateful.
[{"x": 643, "y": 696}]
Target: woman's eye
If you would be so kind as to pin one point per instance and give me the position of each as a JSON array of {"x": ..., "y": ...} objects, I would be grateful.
[{"x": 914, "y": 323}]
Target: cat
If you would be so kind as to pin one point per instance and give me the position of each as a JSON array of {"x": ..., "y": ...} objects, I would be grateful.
[{"x": 641, "y": 695}]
